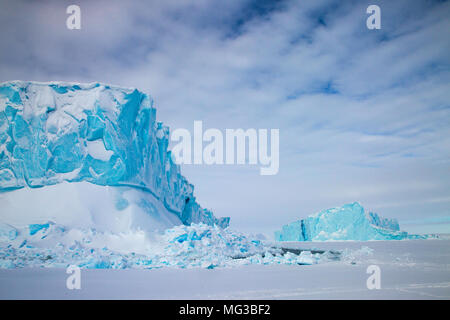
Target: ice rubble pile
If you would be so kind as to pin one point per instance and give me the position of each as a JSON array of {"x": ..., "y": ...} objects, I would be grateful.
[
  {"x": 52, "y": 133},
  {"x": 349, "y": 222},
  {"x": 197, "y": 245}
]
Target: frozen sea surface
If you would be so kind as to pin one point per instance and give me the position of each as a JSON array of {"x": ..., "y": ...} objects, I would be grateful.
[{"x": 410, "y": 269}]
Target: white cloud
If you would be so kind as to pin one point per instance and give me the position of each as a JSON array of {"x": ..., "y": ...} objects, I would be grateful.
[{"x": 227, "y": 64}]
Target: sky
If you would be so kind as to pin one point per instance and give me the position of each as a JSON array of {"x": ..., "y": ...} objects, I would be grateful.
[{"x": 363, "y": 114}]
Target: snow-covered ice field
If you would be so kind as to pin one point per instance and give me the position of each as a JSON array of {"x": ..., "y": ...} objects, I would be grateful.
[{"x": 410, "y": 269}]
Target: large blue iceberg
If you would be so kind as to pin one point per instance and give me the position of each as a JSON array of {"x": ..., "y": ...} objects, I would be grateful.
[
  {"x": 349, "y": 222},
  {"x": 58, "y": 133}
]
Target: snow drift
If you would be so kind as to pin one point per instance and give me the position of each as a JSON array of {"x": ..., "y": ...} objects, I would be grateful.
[
  {"x": 349, "y": 222},
  {"x": 90, "y": 156}
]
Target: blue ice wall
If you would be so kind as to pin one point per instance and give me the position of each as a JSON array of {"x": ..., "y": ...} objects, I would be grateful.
[{"x": 106, "y": 135}]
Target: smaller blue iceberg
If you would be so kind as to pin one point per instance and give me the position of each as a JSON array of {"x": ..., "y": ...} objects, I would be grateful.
[{"x": 349, "y": 222}]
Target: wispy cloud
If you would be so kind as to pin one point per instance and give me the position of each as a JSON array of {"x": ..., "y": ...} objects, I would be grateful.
[{"x": 362, "y": 114}]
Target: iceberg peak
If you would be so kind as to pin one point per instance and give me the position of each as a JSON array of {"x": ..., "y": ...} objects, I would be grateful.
[
  {"x": 349, "y": 222},
  {"x": 64, "y": 132}
]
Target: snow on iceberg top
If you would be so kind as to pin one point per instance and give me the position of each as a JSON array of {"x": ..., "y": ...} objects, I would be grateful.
[{"x": 107, "y": 135}]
